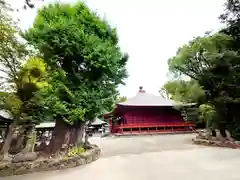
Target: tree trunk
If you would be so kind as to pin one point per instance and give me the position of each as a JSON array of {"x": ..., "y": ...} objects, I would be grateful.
[
  {"x": 72, "y": 135},
  {"x": 6, "y": 132},
  {"x": 86, "y": 138},
  {"x": 8, "y": 140},
  {"x": 58, "y": 137},
  {"x": 80, "y": 131},
  {"x": 222, "y": 117},
  {"x": 20, "y": 141},
  {"x": 31, "y": 140},
  {"x": 86, "y": 143},
  {"x": 76, "y": 134}
]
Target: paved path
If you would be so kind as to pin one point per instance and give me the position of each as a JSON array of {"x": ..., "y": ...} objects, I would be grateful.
[
  {"x": 167, "y": 157},
  {"x": 143, "y": 144}
]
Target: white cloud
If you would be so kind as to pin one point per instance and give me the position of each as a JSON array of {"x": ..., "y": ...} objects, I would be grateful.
[{"x": 150, "y": 31}]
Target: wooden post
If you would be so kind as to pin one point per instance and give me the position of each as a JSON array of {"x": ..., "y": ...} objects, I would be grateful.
[{"x": 111, "y": 125}]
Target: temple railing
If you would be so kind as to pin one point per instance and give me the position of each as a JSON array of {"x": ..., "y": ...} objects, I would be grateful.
[
  {"x": 155, "y": 127},
  {"x": 138, "y": 125}
]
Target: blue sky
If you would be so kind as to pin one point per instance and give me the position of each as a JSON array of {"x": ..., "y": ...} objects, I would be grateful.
[{"x": 149, "y": 31}]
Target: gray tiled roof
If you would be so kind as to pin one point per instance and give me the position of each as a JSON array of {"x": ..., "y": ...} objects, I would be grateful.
[
  {"x": 46, "y": 125},
  {"x": 98, "y": 121},
  {"x": 5, "y": 114},
  {"x": 146, "y": 99}
]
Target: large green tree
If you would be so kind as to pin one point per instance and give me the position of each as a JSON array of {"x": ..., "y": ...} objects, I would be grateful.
[
  {"x": 214, "y": 64},
  {"x": 20, "y": 78},
  {"x": 12, "y": 53},
  {"x": 85, "y": 66},
  {"x": 21, "y": 104},
  {"x": 231, "y": 18}
]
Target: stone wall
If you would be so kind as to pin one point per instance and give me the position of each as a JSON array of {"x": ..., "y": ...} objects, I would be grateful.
[
  {"x": 226, "y": 144},
  {"x": 7, "y": 169}
]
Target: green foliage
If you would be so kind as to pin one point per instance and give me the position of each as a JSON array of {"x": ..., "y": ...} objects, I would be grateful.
[
  {"x": 19, "y": 77},
  {"x": 84, "y": 61},
  {"x": 121, "y": 99},
  {"x": 12, "y": 51},
  {"x": 22, "y": 103},
  {"x": 213, "y": 62},
  {"x": 31, "y": 77},
  {"x": 10, "y": 103},
  {"x": 207, "y": 114},
  {"x": 230, "y": 109},
  {"x": 183, "y": 91},
  {"x": 34, "y": 70},
  {"x": 75, "y": 151},
  {"x": 194, "y": 58},
  {"x": 209, "y": 61},
  {"x": 188, "y": 92},
  {"x": 111, "y": 104}
]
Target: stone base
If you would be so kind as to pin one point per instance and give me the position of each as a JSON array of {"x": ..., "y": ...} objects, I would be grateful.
[
  {"x": 7, "y": 169},
  {"x": 226, "y": 144}
]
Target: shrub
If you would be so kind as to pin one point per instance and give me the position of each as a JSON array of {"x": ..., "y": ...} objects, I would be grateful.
[{"x": 75, "y": 151}]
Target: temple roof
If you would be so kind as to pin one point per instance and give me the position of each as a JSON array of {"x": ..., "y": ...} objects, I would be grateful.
[
  {"x": 145, "y": 99},
  {"x": 46, "y": 125},
  {"x": 98, "y": 121}
]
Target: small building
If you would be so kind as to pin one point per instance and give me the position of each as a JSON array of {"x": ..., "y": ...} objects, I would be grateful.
[
  {"x": 46, "y": 125},
  {"x": 98, "y": 124},
  {"x": 5, "y": 121},
  {"x": 147, "y": 113},
  {"x": 95, "y": 125}
]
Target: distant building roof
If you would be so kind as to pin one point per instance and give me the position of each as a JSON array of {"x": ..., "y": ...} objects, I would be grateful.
[
  {"x": 46, "y": 125},
  {"x": 5, "y": 117},
  {"x": 145, "y": 99},
  {"x": 98, "y": 121},
  {"x": 5, "y": 114}
]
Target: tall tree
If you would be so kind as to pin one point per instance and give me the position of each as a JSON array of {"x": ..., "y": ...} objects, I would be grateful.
[
  {"x": 12, "y": 52},
  {"x": 15, "y": 79},
  {"x": 21, "y": 104},
  {"x": 231, "y": 18},
  {"x": 85, "y": 64},
  {"x": 212, "y": 62}
]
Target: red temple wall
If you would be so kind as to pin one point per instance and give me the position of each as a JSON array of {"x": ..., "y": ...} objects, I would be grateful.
[{"x": 152, "y": 116}]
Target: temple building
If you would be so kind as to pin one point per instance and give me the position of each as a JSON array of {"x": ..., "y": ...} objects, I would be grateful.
[{"x": 147, "y": 113}]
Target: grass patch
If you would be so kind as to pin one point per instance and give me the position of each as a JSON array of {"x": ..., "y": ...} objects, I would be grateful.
[{"x": 75, "y": 151}]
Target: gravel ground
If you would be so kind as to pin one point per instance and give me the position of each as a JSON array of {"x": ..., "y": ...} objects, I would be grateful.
[{"x": 112, "y": 146}]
